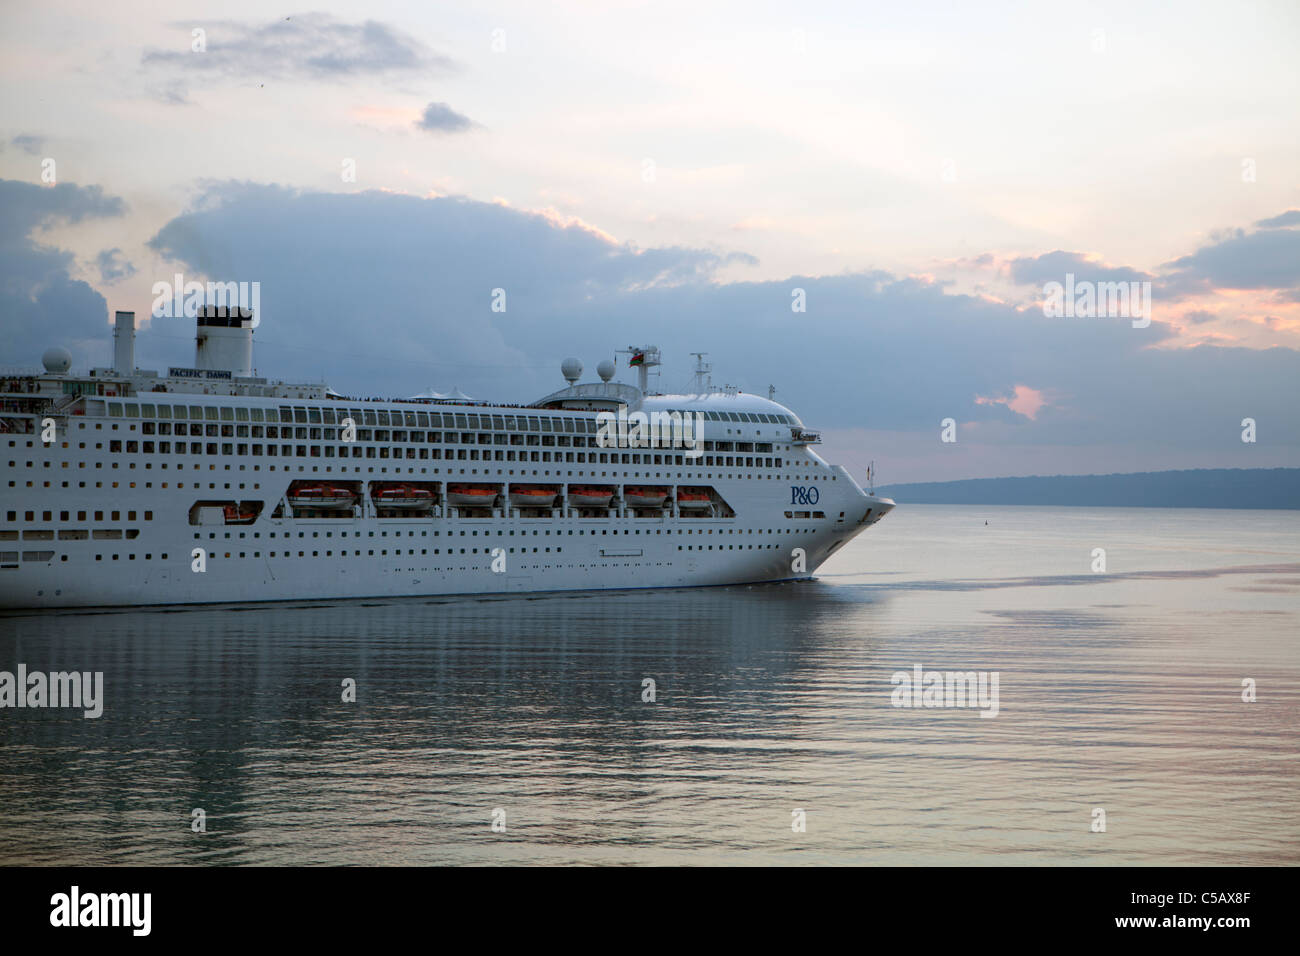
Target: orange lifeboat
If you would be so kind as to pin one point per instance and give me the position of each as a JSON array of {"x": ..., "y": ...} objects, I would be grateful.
[
  {"x": 237, "y": 515},
  {"x": 471, "y": 496},
  {"x": 638, "y": 496},
  {"x": 327, "y": 497},
  {"x": 532, "y": 496},
  {"x": 693, "y": 499},
  {"x": 400, "y": 495},
  {"x": 590, "y": 496}
]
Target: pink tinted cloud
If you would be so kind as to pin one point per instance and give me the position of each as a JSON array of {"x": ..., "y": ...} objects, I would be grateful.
[{"x": 1024, "y": 401}]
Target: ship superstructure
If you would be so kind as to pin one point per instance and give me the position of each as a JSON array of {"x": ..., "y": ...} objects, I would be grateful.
[{"x": 211, "y": 484}]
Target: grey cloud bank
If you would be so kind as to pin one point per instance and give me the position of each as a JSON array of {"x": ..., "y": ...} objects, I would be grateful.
[
  {"x": 310, "y": 46},
  {"x": 389, "y": 293},
  {"x": 40, "y": 301},
  {"x": 1266, "y": 258}
]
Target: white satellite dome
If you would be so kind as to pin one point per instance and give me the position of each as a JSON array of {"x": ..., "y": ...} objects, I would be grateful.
[
  {"x": 57, "y": 360},
  {"x": 605, "y": 370},
  {"x": 571, "y": 369}
]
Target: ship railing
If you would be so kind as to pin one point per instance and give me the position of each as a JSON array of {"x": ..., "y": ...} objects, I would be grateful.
[
  {"x": 63, "y": 404},
  {"x": 18, "y": 384},
  {"x": 36, "y": 405},
  {"x": 17, "y": 424}
]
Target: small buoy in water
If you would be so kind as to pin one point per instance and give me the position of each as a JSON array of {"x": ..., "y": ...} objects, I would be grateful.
[{"x": 986, "y": 524}]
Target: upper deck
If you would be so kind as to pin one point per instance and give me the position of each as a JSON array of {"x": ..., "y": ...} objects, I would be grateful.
[{"x": 235, "y": 397}]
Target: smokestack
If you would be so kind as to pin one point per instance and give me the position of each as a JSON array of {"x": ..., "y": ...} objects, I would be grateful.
[
  {"x": 124, "y": 343},
  {"x": 224, "y": 339}
]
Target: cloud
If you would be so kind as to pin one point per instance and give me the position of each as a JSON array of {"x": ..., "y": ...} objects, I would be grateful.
[
  {"x": 1289, "y": 218},
  {"x": 1053, "y": 266},
  {"x": 29, "y": 144},
  {"x": 441, "y": 118},
  {"x": 174, "y": 93},
  {"x": 41, "y": 303},
  {"x": 312, "y": 46},
  {"x": 112, "y": 266},
  {"x": 1268, "y": 258},
  {"x": 389, "y": 293},
  {"x": 1024, "y": 401},
  {"x": 25, "y": 207},
  {"x": 1233, "y": 260},
  {"x": 1281, "y": 324}
]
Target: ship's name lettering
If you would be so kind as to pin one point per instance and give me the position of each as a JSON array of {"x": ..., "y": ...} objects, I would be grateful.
[{"x": 175, "y": 372}]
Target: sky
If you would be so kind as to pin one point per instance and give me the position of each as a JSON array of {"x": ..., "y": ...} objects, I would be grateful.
[{"x": 863, "y": 205}]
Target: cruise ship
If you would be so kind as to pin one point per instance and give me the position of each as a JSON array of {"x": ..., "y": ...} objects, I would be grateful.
[{"x": 209, "y": 484}]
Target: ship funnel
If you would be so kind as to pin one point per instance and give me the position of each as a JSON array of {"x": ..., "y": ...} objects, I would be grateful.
[
  {"x": 124, "y": 343},
  {"x": 224, "y": 340}
]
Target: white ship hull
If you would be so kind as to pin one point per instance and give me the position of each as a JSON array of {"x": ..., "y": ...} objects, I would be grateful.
[
  {"x": 421, "y": 556},
  {"x": 127, "y": 498}
]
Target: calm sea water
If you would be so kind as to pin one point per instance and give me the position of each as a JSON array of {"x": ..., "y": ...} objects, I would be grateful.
[{"x": 1120, "y": 691}]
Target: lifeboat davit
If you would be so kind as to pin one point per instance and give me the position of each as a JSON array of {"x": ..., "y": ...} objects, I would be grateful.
[
  {"x": 400, "y": 496},
  {"x": 693, "y": 499},
  {"x": 532, "y": 496},
  {"x": 588, "y": 496},
  {"x": 471, "y": 496},
  {"x": 327, "y": 497},
  {"x": 643, "y": 497}
]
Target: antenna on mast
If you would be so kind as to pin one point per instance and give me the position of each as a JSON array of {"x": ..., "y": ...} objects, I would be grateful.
[
  {"x": 703, "y": 378},
  {"x": 643, "y": 358}
]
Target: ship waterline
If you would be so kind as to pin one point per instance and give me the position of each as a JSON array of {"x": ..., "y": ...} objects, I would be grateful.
[{"x": 209, "y": 485}]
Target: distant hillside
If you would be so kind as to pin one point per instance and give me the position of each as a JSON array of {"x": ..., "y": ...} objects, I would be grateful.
[{"x": 1200, "y": 488}]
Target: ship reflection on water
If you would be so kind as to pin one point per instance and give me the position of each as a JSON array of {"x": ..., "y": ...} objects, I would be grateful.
[
  {"x": 768, "y": 704},
  {"x": 462, "y": 705}
]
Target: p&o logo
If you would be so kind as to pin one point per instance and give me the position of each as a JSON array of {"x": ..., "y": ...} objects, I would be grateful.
[{"x": 804, "y": 496}]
